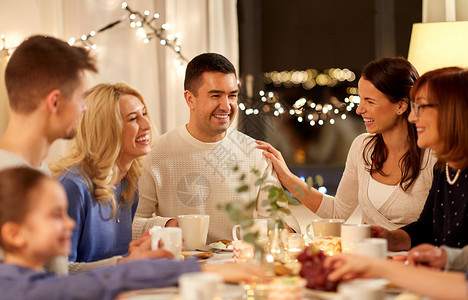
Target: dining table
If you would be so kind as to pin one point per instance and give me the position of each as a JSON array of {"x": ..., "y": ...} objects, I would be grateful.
[{"x": 231, "y": 291}]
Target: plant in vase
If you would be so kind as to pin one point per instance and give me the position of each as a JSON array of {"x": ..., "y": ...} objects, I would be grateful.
[{"x": 277, "y": 204}]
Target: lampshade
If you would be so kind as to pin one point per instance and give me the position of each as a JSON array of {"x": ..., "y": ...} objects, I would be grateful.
[{"x": 438, "y": 45}]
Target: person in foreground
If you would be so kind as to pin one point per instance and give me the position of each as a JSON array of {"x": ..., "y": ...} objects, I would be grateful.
[
  {"x": 100, "y": 175},
  {"x": 422, "y": 281},
  {"x": 45, "y": 81},
  {"x": 35, "y": 226},
  {"x": 440, "y": 105},
  {"x": 386, "y": 173},
  {"x": 190, "y": 171}
]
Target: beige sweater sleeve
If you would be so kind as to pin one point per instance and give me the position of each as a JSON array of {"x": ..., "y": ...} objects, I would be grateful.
[{"x": 146, "y": 213}]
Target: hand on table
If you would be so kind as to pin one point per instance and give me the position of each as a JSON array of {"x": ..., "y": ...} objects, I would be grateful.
[
  {"x": 237, "y": 272},
  {"x": 427, "y": 255},
  {"x": 141, "y": 249},
  {"x": 347, "y": 266}
]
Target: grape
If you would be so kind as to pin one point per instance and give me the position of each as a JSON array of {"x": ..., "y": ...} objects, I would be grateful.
[{"x": 313, "y": 271}]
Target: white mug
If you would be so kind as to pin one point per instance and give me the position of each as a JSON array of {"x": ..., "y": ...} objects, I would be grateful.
[
  {"x": 351, "y": 232},
  {"x": 371, "y": 247},
  {"x": 194, "y": 230},
  {"x": 259, "y": 225},
  {"x": 325, "y": 227},
  {"x": 200, "y": 286},
  {"x": 171, "y": 238}
]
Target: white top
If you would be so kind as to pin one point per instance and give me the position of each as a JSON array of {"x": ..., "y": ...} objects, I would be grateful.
[
  {"x": 400, "y": 208},
  {"x": 379, "y": 192},
  {"x": 186, "y": 176}
]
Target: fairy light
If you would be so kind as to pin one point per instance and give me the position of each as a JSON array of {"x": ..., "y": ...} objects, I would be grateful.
[{"x": 145, "y": 30}]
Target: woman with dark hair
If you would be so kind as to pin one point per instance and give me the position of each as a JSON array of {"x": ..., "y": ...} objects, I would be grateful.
[
  {"x": 386, "y": 173},
  {"x": 440, "y": 104}
]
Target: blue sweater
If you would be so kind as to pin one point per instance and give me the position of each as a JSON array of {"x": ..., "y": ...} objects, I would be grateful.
[
  {"x": 22, "y": 283},
  {"x": 96, "y": 237}
]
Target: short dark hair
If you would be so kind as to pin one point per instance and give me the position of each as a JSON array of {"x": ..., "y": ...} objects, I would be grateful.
[
  {"x": 41, "y": 64},
  {"x": 16, "y": 185},
  {"x": 206, "y": 62}
]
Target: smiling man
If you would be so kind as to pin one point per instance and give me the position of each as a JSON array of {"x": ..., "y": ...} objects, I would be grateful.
[{"x": 189, "y": 170}]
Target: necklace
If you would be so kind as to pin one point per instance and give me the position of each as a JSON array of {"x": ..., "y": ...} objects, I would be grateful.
[{"x": 451, "y": 181}]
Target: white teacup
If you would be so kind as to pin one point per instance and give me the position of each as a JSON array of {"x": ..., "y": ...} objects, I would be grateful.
[
  {"x": 325, "y": 227},
  {"x": 200, "y": 286},
  {"x": 194, "y": 230},
  {"x": 371, "y": 247},
  {"x": 259, "y": 225},
  {"x": 171, "y": 238},
  {"x": 351, "y": 232}
]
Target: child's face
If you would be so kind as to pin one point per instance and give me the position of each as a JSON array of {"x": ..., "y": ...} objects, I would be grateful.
[{"x": 47, "y": 227}]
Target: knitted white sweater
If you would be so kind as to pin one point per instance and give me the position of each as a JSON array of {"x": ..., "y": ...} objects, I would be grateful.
[{"x": 186, "y": 176}]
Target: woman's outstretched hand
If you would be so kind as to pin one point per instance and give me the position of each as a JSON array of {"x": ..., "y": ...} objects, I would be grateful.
[{"x": 276, "y": 159}]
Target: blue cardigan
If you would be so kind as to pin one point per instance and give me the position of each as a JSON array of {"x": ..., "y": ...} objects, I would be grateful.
[{"x": 95, "y": 236}]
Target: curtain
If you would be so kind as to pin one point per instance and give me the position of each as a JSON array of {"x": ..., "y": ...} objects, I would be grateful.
[{"x": 204, "y": 26}]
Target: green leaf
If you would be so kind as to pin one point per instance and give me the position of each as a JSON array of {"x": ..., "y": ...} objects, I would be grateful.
[
  {"x": 245, "y": 223},
  {"x": 250, "y": 237},
  {"x": 266, "y": 202},
  {"x": 319, "y": 180},
  {"x": 294, "y": 202},
  {"x": 299, "y": 190},
  {"x": 250, "y": 205},
  {"x": 242, "y": 189},
  {"x": 242, "y": 177},
  {"x": 260, "y": 181},
  {"x": 310, "y": 183},
  {"x": 255, "y": 171}
]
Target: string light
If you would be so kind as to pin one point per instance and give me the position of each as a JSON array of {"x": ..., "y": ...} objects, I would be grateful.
[
  {"x": 148, "y": 31},
  {"x": 145, "y": 29},
  {"x": 310, "y": 78},
  {"x": 306, "y": 110}
]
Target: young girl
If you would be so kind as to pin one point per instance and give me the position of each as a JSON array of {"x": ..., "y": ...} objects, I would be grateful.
[{"x": 35, "y": 226}]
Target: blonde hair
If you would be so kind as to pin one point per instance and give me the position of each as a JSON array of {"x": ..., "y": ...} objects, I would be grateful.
[{"x": 98, "y": 142}]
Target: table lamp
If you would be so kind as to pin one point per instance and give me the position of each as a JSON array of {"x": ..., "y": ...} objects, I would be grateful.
[{"x": 438, "y": 45}]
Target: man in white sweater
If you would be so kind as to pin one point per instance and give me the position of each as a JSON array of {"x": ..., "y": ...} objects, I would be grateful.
[
  {"x": 45, "y": 82},
  {"x": 189, "y": 170}
]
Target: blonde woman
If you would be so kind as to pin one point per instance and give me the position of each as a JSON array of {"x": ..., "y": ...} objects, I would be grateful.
[{"x": 101, "y": 172}]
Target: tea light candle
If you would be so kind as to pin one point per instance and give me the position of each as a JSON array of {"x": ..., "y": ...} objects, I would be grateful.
[
  {"x": 296, "y": 244},
  {"x": 330, "y": 245}
]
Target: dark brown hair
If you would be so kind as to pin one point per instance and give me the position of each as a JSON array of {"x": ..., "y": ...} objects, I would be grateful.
[
  {"x": 206, "y": 62},
  {"x": 16, "y": 186},
  {"x": 394, "y": 77},
  {"x": 448, "y": 87},
  {"x": 41, "y": 64}
]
